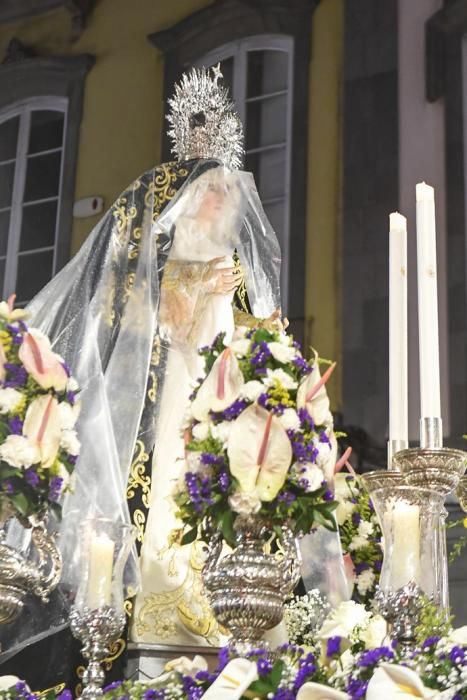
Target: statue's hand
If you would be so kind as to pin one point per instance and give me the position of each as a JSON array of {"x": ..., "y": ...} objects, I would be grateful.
[
  {"x": 275, "y": 322},
  {"x": 221, "y": 276}
]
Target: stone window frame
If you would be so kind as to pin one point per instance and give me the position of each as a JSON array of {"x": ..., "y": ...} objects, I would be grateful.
[
  {"x": 55, "y": 78},
  {"x": 223, "y": 22},
  {"x": 12, "y": 10},
  {"x": 239, "y": 50}
]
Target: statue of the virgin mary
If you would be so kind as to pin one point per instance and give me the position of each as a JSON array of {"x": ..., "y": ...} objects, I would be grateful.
[{"x": 157, "y": 278}]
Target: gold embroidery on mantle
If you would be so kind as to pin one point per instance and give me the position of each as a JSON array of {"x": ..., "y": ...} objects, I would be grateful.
[
  {"x": 139, "y": 520},
  {"x": 138, "y": 476},
  {"x": 186, "y": 604}
]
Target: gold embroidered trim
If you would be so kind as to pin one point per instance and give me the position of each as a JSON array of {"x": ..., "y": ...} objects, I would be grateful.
[
  {"x": 139, "y": 520},
  {"x": 138, "y": 476}
]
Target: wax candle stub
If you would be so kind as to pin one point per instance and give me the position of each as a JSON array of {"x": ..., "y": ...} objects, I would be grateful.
[{"x": 101, "y": 552}]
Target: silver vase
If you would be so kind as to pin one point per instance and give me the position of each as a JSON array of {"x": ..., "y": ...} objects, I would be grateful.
[
  {"x": 247, "y": 588},
  {"x": 18, "y": 575}
]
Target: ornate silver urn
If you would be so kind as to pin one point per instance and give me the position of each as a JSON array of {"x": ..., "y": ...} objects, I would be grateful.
[
  {"x": 20, "y": 576},
  {"x": 247, "y": 588}
]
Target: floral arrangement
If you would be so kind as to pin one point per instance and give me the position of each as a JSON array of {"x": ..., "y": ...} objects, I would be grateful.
[
  {"x": 38, "y": 410},
  {"x": 303, "y": 617},
  {"x": 360, "y": 535},
  {"x": 259, "y": 439}
]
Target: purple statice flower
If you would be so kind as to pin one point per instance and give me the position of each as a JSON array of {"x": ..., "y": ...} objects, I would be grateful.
[
  {"x": 223, "y": 481},
  {"x": 55, "y": 488},
  {"x": 362, "y": 566},
  {"x": 16, "y": 425},
  {"x": 356, "y": 688},
  {"x": 16, "y": 375},
  {"x": 284, "y": 694},
  {"x": 430, "y": 641},
  {"x": 8, "y": 486},
  {"x": 205, "y": 676},
  {"x": 264, "y": 666},
  {"x": 277, "y": 409},
  {"x": 378, "y": 564},
  {"x": 112, "y": 686},
  {"x": 328, "y": 495},
  {"x": 192, "y": 689},
  {"x": 72, "y": 459},
  {"x": 302, "y": 365},
  {"x": 261, "y": 355},
  {"x": 209, "y": 459},
  {"x": 333, "y": 646},
  {"x": 31, "y": 477},
  {"x": 234, "y": 410},
  {"x": 151, "y": 694},
  {"x": 306, "y": 420},
  {"x": 65, "y": 695},
  {"x": 303, "y": 452},
  {"x": 373, "y": 656},
  {"x": 457, "y": 655},
  {"x": 306, "y": 668},
  {"x": 287, "y": 497},
  {"x": 16, "y": 334},
  {"x": 356, "y": 518},
  {"x": 223, "y": 659},
  {"x": 324, "y": 438},
  {"x": 71, "y": 397},
  {"x": 199, "y": 489}
]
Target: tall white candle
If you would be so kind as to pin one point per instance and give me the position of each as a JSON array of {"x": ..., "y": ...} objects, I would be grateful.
[
  {"x": 101, "y": 552},
  {"x": 398, "y": 383},
  {"x": 405, "y": 559},
  {"x": 427, "y": 303}
]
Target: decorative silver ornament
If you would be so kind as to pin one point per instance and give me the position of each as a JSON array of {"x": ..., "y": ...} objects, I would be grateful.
[{"x": 203, "y": 120}]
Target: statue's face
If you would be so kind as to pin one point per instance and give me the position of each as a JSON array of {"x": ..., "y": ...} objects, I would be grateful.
[{"x": 212, "y": 203}]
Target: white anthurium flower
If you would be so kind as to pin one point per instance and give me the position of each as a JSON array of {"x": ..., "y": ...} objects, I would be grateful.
[
  {"x": 19, "y": 452},
  {"x": 252, "y": 390},
  {"x": 220, "y": 388},
  {"x": 9, "y": 313},
  {"x": 458, "y": 636},
  {"x": 7, "y": 682},
  {"x": 317, "y": 691},
  {"x": 42, "y": 427},
  {"x": 232, "y": 682},
  {"x": 313, "y": 396},
  {"x": 285, "y": 339},
  {"x": 282, "y": 353},
  {"x": 186, "y": 666},
  {"x": 343, "y": 620},
  {"x": 200, "y": 431},
  {"x": 393, "y": 682},
  {"x": 240, "y": 346},
  {"x": 68, "y": 414},
  {"x": 278, "y": 375},
  {"x": 259, "y": 452},
  {"x": 290, "y": 419},
  {"x": 374, "y": 634},
  {"x": 244, "y": 503},
  {"x": 10, "y": 399}
]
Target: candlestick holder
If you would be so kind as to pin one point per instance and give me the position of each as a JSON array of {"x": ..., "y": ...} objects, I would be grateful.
[
  {"x": 411, "y": 572},
  {"x": 97, "y": 617},
  {"x": 97, "y": 629},
  {"x": 462, "y": 493}
]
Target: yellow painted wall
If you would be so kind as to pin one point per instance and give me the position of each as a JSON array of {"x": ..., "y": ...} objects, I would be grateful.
[
  {"x": 122, "y": 117},
  {"x": 322, "y": 304}
]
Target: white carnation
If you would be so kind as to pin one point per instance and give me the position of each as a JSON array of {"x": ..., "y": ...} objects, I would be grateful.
[
  {"x": 193, "y": 461},
  {"x": 343, "y": 620},
  {"x": 240, "y": 346},
  {"x": 72, "y": 384},
  {"x": 365, "y": 528},
  {"x": 290, "y": 419},
  {"x": 244, "y": 503},
  {"x": 18, "y": 451},
  {"x": 200, "y": 431},
  {"x": 365, "y": 581},
  {"x": 282, "y": 353},
  {"x": 374, "y": 634},
  {"x": 68, "y": 415},
  {"x": 69, "y": 442},
  {"x": 221, "y": 431},
  {"x": 278, "y": 375},
  {"x": 310, "y": 472},
  {"x": 324, "y": 452},
  {"x": 285, "y": 339},
  {"x": 357, "y": 542},
  {"x": 252, "y": 390},
  {"x": 343, "y": 511},
  {"x": 9, "y": 400}
]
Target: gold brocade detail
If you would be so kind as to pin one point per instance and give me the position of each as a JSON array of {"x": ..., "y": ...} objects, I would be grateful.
[
  {"x": 240, "y": 293},
  {"x": 186, "y": 604},
  {"x": 55, "y": 688},
  {"x": 116, "y": 649},
  {"x": 138, "y": 476},
  {"x": 123, "y": 215},
  {"x": 79, "y": 674},
  {"x": 152, "y": 391},
  {"x": 156, "y": 351},
  {"x": 162, "y": 189},
  {"x": 139, "y": 520},
  {"x": 128, "y": 608},
  {"x": 130, "y": 280}
]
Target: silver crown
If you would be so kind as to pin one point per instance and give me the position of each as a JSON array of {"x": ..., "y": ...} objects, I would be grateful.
[{"x": 203, "y": 121}]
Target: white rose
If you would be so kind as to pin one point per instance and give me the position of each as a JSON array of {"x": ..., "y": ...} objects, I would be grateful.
[
  {"x": 244, "y": 503},
  {"x": 343, "y": 510},
  {"x": 252, "y": 390},
  {"x": 374, "y": 634},
  {"x": 19, "y": 452},
  {"x": 69, "y": 442},
  {"x": 186, "y": 666},
  {"x": 343, "y": 620},
  {"x": 365, "y": 528},
  {"x": 290, "y": 419},
  {"x": 278, "y": 375},
  {"x": 68, "y": 415},
  {"x": 310, "y": 472},
  {"x": 221, "y": 431},
  {"x": 200, "y": 431},
  {"x": 9, "y": 400},
  {"x": 458, "y": 636},
  {"x": 240, "y": 346},
  {"x": 282, "y": 353}
]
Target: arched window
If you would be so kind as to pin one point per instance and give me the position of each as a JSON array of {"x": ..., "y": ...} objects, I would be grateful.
[
  {"x": 259, "y": 72},
  {"x": 31, "y": 163}
]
